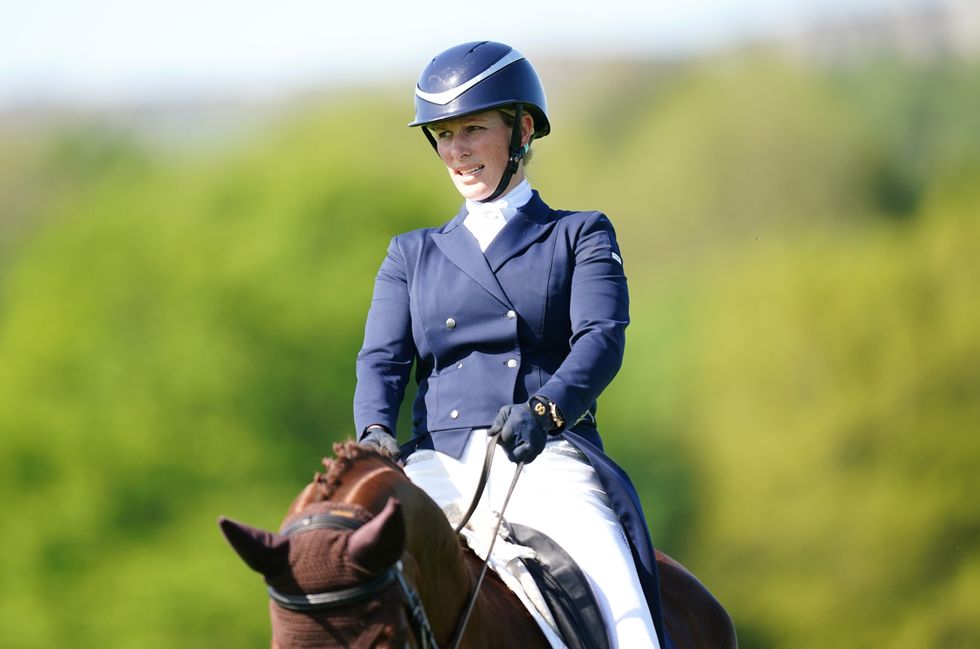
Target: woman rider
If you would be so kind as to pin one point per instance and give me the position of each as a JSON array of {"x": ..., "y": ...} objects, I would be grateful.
[{"x": 514, "y": 317}]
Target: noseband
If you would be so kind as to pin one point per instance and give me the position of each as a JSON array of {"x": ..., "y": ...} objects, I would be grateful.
[{"x": 312, "y": 602}]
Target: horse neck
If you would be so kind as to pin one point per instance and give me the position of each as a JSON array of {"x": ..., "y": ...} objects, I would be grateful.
[{"x": 441, "y": 575}]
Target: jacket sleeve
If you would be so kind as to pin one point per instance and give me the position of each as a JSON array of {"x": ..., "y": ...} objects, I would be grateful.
[
  {"x": 599, "y": 315},
  {"x": 385, "y": 360}
]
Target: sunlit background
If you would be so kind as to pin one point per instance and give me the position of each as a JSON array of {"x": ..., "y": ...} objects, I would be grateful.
[{"x": 194, "y": 199}]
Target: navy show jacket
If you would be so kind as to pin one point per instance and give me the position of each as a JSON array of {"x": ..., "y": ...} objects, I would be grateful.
[{"x": 542, "y": 311}]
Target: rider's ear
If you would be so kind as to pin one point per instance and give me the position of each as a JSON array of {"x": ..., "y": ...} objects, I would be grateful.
[
  {"x": 264, "y": 552},
  {"x": 379, "y": 543}
]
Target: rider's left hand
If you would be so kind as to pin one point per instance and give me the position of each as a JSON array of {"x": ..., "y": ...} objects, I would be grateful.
[{"x": 521, "y": 435}]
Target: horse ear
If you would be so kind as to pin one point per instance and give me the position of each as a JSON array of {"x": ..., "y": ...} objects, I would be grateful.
[
  {"x": 379, "y": 543},
  {"x": 264, "y": 552}
]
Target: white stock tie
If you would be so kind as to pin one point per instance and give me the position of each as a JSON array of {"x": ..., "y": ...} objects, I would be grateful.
[{"x": 486, "y": 220}]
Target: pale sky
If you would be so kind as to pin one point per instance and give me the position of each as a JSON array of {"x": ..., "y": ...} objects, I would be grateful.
[{"x": 104, "y": 51}]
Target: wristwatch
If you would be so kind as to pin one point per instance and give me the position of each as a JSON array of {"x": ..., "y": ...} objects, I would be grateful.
[{"x": 547, "y": 414}]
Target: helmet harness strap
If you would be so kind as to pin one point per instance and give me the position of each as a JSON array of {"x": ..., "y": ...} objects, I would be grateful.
[{"x": 430, "y": 138}]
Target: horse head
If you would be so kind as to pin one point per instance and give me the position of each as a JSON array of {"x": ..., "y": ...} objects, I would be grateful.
[
  {"x": 362, "y": 555},
  {"x": 333, "y": 570}
]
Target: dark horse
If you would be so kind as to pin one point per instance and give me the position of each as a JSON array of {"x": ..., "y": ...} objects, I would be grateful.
[{"x": 366, "y": 559}]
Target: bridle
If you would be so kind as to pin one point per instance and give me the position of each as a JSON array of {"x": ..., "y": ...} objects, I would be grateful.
[
  {"x": 313, "y": 602},
  {"x": 424, "y": 636}
]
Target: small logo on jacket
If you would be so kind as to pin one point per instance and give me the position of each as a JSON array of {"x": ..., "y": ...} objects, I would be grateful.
[{"x": 617, "y": 258}]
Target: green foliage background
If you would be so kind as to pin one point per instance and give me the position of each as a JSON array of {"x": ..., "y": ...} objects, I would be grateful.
[{"x": 799, "y": 405}]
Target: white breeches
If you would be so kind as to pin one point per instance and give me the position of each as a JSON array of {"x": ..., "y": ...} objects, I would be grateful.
[{"x": 560, "y": 495}]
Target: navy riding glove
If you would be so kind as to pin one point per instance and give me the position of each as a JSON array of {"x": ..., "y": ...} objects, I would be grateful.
[
  {"x": 521, "y": 434},
  {"x": 377, "y": 437}
]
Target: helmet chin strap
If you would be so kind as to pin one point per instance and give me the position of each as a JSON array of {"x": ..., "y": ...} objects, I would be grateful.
[{"x": 517, "y": 153}]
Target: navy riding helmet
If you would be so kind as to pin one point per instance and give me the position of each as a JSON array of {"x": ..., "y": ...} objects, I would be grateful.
[{"x": 475, "y": 77}]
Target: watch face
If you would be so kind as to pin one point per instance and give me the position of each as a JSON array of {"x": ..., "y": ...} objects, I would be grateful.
[
  {"x": 555, "y": 417},
  {"x": 539, "y": 408}
]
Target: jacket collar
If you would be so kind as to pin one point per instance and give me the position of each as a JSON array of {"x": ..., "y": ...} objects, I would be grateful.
[
  {"x": 530, "y": 224},
  {"x": 461, "y": 248}
]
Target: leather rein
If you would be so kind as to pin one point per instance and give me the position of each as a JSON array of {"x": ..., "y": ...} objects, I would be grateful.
[{"x": 311, "y": 602}]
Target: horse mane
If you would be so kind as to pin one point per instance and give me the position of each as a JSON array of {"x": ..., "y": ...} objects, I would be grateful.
[{"x": 346, "y": 453}]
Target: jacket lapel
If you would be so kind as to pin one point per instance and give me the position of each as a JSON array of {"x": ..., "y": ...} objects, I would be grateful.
[
  {"x": 531, "y": 223},
  {"x": 461, "y": 248}
]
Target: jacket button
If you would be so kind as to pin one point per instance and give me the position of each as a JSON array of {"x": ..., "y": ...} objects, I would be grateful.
[
  {"x": 450, "y": 323},
  {"x": 511, "y": 362},
  {"x": 454, "y": 414},
  {"x": 511, "y": 314}
]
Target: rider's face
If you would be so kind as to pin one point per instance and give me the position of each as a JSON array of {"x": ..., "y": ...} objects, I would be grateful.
[{"x": 475, "y": 149}]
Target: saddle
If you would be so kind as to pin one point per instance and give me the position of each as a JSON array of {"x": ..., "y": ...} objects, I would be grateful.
[
  {"x": 564, "y": 588},
  {"x": 559, "y": 585},
  {"x": 558, "y": 596}
]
